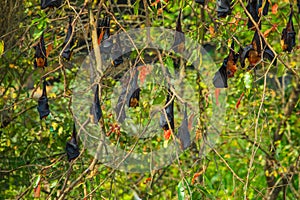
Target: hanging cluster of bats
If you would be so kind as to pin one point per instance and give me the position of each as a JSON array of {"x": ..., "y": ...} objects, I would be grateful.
[{"x": 255, "y": 52}]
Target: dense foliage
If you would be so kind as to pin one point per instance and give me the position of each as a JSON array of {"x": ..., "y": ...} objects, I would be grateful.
[{"x": 256, "y": 155}]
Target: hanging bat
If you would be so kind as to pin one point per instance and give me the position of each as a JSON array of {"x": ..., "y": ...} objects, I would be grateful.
[
  {"x": 223, "y": 8},
  {"x": 288, "y": 35},
  {"x": 43, "y": 106},
  {"x": 50, "y": 3},
  {"x": 96, "y": 110},
  {"x": 254, "y": 7},
  {"x": 116, "y": 53},
  {"x": 202, "y": 2},
  {"x": 72, "y": 148},
  {"x": 227, "y": 69},
  {"x": 256, "y": 51},
  {"x": 103, "y": 35},
  {"x": 178, "y": 45},
  {"x": 130, "y": 94},
  {"x": 183, "y": 132},
  {"x": 40, "y": 53},
  {"x": 69, "y": 48},
  {"x": 170, "y": 117}
]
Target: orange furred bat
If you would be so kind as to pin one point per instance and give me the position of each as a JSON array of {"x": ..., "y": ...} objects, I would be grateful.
[
  {"x": 227, "y": 69},
  {"x": 164, "y": 122},
  {"x": 40, "y": 54},
  {"x": 256, "y": 51}
]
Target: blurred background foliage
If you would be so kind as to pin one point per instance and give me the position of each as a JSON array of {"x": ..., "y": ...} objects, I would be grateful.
[{"x": 33, "y": 150}]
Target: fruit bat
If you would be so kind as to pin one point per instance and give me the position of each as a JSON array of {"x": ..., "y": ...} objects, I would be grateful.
[
  {"x": 254, "y": 7},
  {"x": 130, "y": 94},
  {"x": 170, "y": 114},
  {"x": 288, "y": 35},
  {"x": 50, "y": 3},
  {"x": 103, "y": 35},
  {"x": 223, "y": 8},
  {"x": 255, "y": 51},
  {"x": 202, "y": 2},
  {"x": 227, "y": 69},
  {"x": 69, "y": 48},
  {"x": 96, "y": 111},
  {"x": 179, "y": 39},
  {"x": 43, "y": 106},
  {"x": 40, "y": 54},
  {"x": 72, "y": 148},
  {"x": 183, "y": 132}
]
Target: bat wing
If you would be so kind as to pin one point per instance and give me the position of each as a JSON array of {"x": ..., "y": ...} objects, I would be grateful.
[
  {"x": 183, "y": 133},
  {"x": 72, "y": 148},
  {"x": 179, "y": 39},
  {"x": 269, "y": 54},
  {"x": 244, "y": 54},
  {"x": 40, "y": 53},
  {"x": 50, "y": 3},
  {"x": 68, "y": 50},
  {"x": 96, "y": 110},
  {"x": 170, "y": 114},
  {"x": 220, "y": 78},
  {"x": 43, "y": 106},
  {"x": 223, "y": 8}
]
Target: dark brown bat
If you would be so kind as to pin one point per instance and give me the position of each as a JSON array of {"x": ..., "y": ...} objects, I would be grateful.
[
  {"x": 96, "y": 110},
  {"x": 43, "y": 106},
  {"x": 256, "y": 51},
  {"x": 223, "y": 8},
  {"x": 40, "y": 54},
  {"x": 288, "y": 36},
  {"x": 130, "y": 94},
  {"x": 72, "y": 148},
  {"x": 170, "y": 116},
  {"x": 254, "y": 7},
  {"x": 178, "y": 45},
  {"x": 227, "y": 69},
  {"x": 67, "y": 53},
  {"x": 50, "y": 3},
  {"x": 183, "y": 132}
]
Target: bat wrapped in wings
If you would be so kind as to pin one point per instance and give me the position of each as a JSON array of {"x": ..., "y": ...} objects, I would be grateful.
[
  {"x": 227, "y": 69},
  {"x": 96, "y": 111},
  {"x": 50, "y": 3},
  {"x": 165, "y": 121},
  {"x": 72, "y": 148},
  {"x": 183, "y": 132},
  {"x": 43, "y": 106},
  {"x": 69, "y": 41},
  {"x": 40, "y": 54},
  {"x": 178, "y": 45},
  {"x": 129, "y": 96},
  {"x": 256, "y": 51},
  {"x": 257, "y": 8},
  {"x": 288, "y": 36}
]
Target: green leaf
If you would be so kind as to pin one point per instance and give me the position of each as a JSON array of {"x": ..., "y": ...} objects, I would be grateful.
[
  {"x": 1, "y": 47},
  {"x": 37, "y": 180},
  {"x": 180, "y": 191},
  {"x": 248, "y": 80}
]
